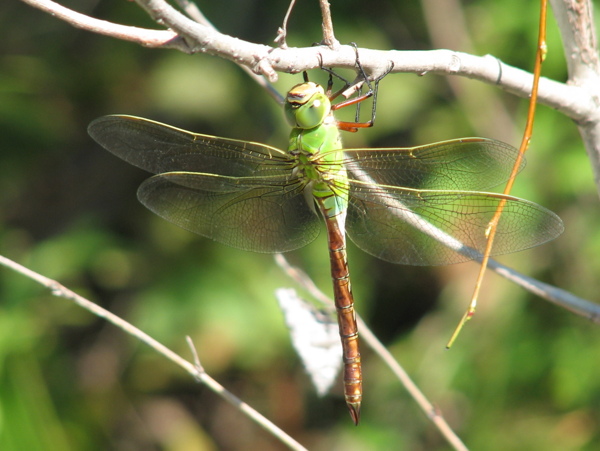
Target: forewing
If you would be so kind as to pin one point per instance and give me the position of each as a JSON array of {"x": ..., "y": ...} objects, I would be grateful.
[
  {"x": 248, "y": 213},
  {"x": 158, "y": 148},
  {"x": 468, "y": 164},
  {"x": 440, "y": 227}
]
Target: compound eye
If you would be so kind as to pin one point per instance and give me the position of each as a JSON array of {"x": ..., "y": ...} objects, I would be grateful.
[{"x": 306, "y": 106}]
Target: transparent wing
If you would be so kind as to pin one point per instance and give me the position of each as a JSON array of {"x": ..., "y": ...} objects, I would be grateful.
[
  {"x": 468, "y": 164},
  {"x": 262, "y": 214},
  {"x": 432, "y": 227},
  {"x": 158, "y": 148}
]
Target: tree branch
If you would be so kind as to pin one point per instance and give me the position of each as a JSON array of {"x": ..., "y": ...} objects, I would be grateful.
[
  {"x": 366, "y": 334},
  {"x": 573, "y": 101},
  {"x": 328, "y": 36},
  {"x": 576, "y": 24},
  {"x": 267, "y": 61},
  {"x": 142, "y": 36},
  {"x": 194, "y": 370}
]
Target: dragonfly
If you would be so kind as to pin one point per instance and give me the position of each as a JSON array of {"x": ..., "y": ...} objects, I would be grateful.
[{"x": 416, "y": 206}]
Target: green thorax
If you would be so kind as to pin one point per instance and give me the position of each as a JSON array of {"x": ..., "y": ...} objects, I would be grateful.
[{"x": 315, "y": 140}]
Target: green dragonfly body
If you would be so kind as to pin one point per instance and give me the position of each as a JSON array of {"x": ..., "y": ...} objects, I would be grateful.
[{"x": 417, "y": 206}]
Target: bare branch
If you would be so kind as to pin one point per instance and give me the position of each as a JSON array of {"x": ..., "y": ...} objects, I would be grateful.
[
  {"x": 328, "y": 37},
  {"x": 207, "y": 40},
  {"x": 191, "y": 9},
  {"x": 193, "y": 369},
  {"x": 142, "y": 36},
  {"x": 373, "y": 342},
  {"x": 573, "y": 101},
  {"x": 280, "y": 40},
  {"x": 555, "y": 295},
  {"x": 576, "y": 24},
  {"x": 432, "y": 412}
]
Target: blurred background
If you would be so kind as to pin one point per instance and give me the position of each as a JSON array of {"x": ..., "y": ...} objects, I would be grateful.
[{"x": 524, "y": 374}]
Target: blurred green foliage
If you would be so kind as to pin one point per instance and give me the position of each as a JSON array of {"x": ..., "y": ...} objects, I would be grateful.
[{"x": 523, "y": 375}]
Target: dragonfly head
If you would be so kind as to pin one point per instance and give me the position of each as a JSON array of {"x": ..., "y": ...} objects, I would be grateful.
[{"x": 306, "y": 105}]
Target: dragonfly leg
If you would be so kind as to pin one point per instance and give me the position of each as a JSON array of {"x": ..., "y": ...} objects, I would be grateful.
[
  {"x": 372, "y": 92},
  {"x": 329, "y": 86},
  {"x": 366, "y": 79},
  {"x": 347, "y": 83},
  {"x": 332, "y": 74}
]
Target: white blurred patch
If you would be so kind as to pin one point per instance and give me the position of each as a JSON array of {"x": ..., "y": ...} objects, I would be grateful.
[{"x": 315, "y": 336}]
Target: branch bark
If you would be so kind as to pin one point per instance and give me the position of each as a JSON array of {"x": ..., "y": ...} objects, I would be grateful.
[
  {"x": 189, "y": 36},
  {"x": 142, "y": 36},
  {"x": 576, "y": 24}
]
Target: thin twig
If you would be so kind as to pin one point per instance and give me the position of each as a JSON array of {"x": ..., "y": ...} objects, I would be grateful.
[
  {"x": 525, "y": 140},
  {"x": 282, "y": 31},
  {"x": 195, "y": 370},
  {"x": 192, "y": 10},
  {"x": 431, "y": 412},
  {"x": 142, "y": 36},
  {"x": 328, "y": 36}
]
